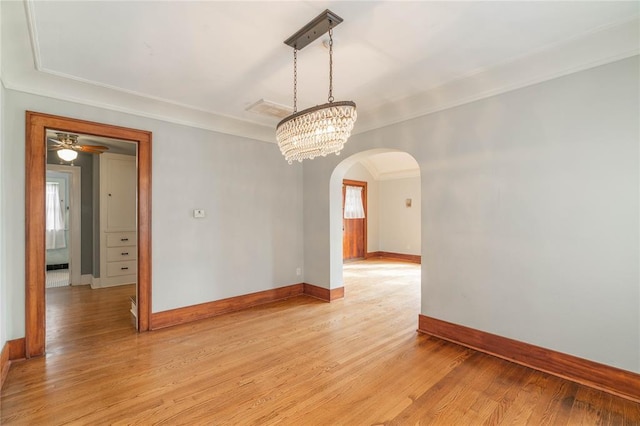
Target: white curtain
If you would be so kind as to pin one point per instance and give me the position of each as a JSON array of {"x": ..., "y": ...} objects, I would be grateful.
[
  {"x": 353, "y": 207},
  {"x": 55, "y": 218}
]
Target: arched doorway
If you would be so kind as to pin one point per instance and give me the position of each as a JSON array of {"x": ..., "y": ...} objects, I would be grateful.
[{"x": 393, "y": 231}]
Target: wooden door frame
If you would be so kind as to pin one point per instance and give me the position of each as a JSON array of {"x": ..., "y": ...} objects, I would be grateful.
[
  {"x": 363, "y": 185},
  {"x": 35, "y": 177}
]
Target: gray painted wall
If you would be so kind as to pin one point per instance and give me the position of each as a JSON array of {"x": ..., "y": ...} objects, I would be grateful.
[
  {"x": 529, "y": 213},
  {"x": 399, "y": 224},
  {"x": 4, "y": 179},
  {"x": 251, "y": 239}
]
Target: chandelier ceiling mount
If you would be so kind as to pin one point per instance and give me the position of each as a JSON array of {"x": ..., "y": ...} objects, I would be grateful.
[{"x": 322, "y": 129}]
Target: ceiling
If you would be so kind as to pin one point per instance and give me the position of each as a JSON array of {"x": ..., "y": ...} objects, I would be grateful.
[
  {"x": 203, "y": 63},
  {"x": 391, "y": 165}
]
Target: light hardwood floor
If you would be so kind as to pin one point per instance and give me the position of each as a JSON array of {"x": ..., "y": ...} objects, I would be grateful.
[{"x": 356, "y": 361}]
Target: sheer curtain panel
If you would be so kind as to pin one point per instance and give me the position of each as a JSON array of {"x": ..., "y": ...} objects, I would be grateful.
[
  {"x": 353, "y": 207},
  {"x": 55, "y": 218}
]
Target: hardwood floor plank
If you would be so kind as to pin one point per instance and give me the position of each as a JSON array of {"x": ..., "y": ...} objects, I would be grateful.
[
  {"x": 455, "y": 389},
  {"x": 631, "y": 411},
  {"x": 300, "y": 361},
  {"x": 441, "y": 356},
  {"x": 589, "y": 407},
  {"x": 506, "y": 389}
]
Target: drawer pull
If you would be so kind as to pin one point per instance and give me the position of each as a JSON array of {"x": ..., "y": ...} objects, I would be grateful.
[
  {"x": 124, "y": 254},
  {"x": 124, "y": 268},
  {"x": 124, "y": 239}
]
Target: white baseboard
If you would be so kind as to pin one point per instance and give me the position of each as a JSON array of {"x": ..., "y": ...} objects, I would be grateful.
[
  {"x": 112, "y": 282},
  {"x": 86, "y": 279},
  {"x": 95, "y": 282}
]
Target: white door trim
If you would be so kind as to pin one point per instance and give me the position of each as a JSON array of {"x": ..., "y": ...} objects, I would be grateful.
[{"x": 75, "y": 228}]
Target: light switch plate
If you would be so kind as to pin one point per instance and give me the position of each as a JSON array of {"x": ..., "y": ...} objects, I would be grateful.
[{"x": 198, "y": 213}]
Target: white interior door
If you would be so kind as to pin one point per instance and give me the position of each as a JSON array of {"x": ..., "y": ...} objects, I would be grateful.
[{"x": 121, "y": 193}]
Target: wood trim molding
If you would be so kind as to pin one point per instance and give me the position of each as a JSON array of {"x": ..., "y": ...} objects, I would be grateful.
[
  {"x": 219, "y": 307},
  {"x": 36, "y": 126},
  {"x": 13, "y": 350},
  {"x": 144, "y": 231},
  {"x": 413, "y": 258},
  {"x": 322, "y": 293},
  {"x": 237, "y": 303},
  {"x": 613, "y": 380},
  {"x": 17, "y": 349},
  {"x": 5, "y": 363}
]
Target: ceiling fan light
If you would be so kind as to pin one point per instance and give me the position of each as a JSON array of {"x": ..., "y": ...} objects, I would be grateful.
[{"x": 67, "y": 154}]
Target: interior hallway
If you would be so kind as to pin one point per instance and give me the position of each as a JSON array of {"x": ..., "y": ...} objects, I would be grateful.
[{"x": 354, "y": 361}]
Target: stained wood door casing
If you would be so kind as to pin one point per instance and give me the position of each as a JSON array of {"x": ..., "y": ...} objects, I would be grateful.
[
  {"x": 35, "y": 162},
  {"x": 352, "y": 241},
  {"x": 354, "y": 231}
]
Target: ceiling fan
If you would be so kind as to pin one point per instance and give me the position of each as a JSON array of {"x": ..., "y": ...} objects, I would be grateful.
[{"x": 68, "y": 146}]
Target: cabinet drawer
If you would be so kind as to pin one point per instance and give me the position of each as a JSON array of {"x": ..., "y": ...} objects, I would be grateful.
[
  {"x": 128, "y": 267},
  {"x": 116, "y": 254},
  {"x": 117, "y": 239}
]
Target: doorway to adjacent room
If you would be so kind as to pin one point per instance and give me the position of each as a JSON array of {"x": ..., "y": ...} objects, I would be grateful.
[
  {"x": 35, "y": 277},
  {"x": 354, "y": 219}
]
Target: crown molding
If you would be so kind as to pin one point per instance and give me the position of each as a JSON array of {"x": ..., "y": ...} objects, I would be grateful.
[
  {"x": 42, "y": 81},
  {"x": 33, "y": 33},
  {"x": 584, "y": 51},
  {"x": 157, "y": 110}
]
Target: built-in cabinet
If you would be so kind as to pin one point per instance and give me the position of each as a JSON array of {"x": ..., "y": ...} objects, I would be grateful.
[{"x": 118, "y": 220}]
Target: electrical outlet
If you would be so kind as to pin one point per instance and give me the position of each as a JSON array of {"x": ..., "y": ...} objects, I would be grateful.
[
  {"x": 198, "y": 213},
  {"x": 298, "y": 271}
]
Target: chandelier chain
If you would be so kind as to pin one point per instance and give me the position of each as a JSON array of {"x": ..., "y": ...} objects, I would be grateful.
[
  {"x": 330, "y": 63},
  {"x": 295, "y": 80}
]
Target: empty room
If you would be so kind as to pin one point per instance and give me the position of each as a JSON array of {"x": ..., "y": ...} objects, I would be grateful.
[{"x": 319, "y": 213}]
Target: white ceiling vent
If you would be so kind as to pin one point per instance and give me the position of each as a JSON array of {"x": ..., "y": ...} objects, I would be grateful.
[{"x": 270, "y": 109}]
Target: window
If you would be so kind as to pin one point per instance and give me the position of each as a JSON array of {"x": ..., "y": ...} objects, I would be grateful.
[
  {"x": 55, "y": 236},
  {"x": 353, "y": 207}
]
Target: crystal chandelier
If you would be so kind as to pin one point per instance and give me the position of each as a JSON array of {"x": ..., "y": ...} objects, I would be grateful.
[{"x": 322, "y": 129}]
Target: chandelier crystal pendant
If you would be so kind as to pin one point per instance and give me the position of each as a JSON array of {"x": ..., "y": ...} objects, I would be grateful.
[{"x": 322, "y": 129}]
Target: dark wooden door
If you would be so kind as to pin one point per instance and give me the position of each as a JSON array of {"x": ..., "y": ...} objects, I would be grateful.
[{"x": 354, "y": 231}]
